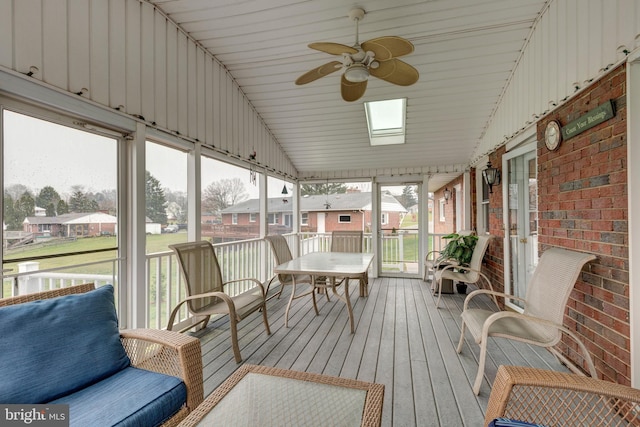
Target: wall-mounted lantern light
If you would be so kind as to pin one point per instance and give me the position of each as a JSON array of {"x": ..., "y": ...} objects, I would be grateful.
[
  {"x": 491, "y": 176},
  {"x": 447, "y": 195}
]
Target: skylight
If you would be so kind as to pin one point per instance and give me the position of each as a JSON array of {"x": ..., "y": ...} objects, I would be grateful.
[{"x": 386, "y": 121}]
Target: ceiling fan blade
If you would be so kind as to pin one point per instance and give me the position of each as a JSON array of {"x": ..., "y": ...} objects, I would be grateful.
[
  {"x": 352, "y": 91},
  {"x": 318, "y": 72},
  {"x": 395, "y": 71},
  {"x": 388, "y": 47},
  {"x": 333, "y": 48}
]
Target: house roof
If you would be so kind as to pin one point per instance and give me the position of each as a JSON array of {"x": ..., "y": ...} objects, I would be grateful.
[
  {"x": 313, "y": 203},
  {"x": 73, "y": 218}
]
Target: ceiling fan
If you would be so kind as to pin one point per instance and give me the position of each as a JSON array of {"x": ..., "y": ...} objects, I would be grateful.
[{"x": 376, "y": 57}]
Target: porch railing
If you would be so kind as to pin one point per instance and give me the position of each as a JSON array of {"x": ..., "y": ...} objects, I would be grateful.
[{"x": 165, "y": 286}]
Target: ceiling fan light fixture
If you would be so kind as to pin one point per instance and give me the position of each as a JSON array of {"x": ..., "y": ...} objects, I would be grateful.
[{"x": 356, "y": 73}]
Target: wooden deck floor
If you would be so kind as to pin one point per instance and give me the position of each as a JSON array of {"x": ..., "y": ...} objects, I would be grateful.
[{"x": 401, "y": 341}]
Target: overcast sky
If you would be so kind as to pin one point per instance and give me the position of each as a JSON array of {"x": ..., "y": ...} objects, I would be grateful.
[{"x": 39, "y": 153}]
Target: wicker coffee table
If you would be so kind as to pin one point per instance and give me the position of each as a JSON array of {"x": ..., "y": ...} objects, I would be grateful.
[{"x": 260, "y": 395}]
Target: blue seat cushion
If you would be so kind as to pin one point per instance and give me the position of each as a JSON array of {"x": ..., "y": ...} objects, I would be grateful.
[
  {"x": 507, "y": 422},
  {"x": 131, "y": 397},
  {"x": 53, "y": 347}
]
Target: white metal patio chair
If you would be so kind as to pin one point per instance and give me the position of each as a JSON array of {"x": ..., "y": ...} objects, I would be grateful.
[
  {"x": 206, "y": 295},
  {"x": 282, "y": 254},
  {"x": 464, "y": 273},
  {"x": 349, "y": 241},
  {"x": 541, "y": 322},
  {"x": 432, "y": 259}
]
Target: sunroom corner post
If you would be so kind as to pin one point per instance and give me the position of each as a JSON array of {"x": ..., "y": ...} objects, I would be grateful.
[
  {"x": 135, "y": 286},
  {"x": 295, "y": 208},
  {"x": 264, "y": 227},
  {"x": 423, "y": 215},
  {"x": 194, "y": 190},
  {"x": 466, "y": 187}
]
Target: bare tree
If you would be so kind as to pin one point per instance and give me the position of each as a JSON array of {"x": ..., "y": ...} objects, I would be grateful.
[{"x": 223, "y": 193}]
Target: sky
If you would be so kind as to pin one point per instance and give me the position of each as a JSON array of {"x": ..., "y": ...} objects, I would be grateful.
[
  {"x": 65, "y": 157},
  {"x": 61, "y": 156},
  {"x": 38, "y": 153}
]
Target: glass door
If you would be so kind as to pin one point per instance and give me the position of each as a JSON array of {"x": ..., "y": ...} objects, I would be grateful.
[
  {"x": 522, "y": 221},
  {"x": 399, "y": 230}
]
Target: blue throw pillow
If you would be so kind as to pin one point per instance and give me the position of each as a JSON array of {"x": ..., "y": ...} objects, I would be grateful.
[{"x": 53, "y": 347}]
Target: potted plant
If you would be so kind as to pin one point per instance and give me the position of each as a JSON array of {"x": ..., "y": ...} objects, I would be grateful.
[{"x": 459, "y": 249}]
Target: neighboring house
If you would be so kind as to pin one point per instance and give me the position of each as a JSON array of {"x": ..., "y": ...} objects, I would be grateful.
[
  {"x": 71, "y": 225},
  {"x": 319, "y": 213}
]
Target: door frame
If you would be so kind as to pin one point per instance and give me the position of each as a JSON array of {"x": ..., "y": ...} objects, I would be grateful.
[
  {"x": 376, "y": 202},
  {"x": 633, "y": 177},
  {"x": 526, "y": 147}
]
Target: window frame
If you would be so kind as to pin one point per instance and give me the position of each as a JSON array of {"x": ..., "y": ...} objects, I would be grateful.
[{"x": 341, "y": 221}]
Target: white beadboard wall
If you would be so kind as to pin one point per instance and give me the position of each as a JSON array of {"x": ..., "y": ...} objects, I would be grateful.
[
  {"x": 128, "y": 55},
  {"x": 573, "y": 43}
]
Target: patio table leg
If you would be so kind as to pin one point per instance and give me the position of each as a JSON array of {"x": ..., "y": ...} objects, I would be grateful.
[
  {"x": 346, "y": 300},
  {"x": 293, "y": 296},
  {"x": 364, "y": 289}
]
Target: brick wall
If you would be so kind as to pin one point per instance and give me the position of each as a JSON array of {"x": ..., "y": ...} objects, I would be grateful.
[
  {"x": 449, "y": 224},
  {"x": 582, "y": 202}
]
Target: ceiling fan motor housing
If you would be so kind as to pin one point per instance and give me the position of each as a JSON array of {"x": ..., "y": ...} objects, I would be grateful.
[{"x": 356, "y": 73}]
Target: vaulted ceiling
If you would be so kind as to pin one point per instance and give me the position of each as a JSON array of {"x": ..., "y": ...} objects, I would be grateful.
[{"x": 465, "y": 52}]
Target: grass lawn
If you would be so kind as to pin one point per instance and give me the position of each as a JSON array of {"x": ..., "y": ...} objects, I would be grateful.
[{"x": 155, "y": 243}]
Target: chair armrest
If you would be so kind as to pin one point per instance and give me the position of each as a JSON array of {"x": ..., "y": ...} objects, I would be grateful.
[
  {"x": 169, "y": 353},
  {"x": 432, "y": 255},
  {"x": 442, "y": 272},
  {"x": 250, "y": 279},
  {"x": 524, "y": 394},
  {"x": 502, "y": 314},
  {"x": 226, "y": 298},
  {"x": 492, "y": 293}
]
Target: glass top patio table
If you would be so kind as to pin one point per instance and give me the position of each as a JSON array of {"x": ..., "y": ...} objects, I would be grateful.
[
  {"x": 345, "y": 265},
  {"x": 266, "y": 396}
]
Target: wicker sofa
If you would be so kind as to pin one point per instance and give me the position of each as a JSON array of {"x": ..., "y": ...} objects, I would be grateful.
[
  {"x": 64, "y": 347},
  {"x": 552, "y": 398}
]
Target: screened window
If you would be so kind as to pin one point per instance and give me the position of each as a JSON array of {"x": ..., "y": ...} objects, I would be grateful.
[
  {"x": 60, "y": 199},
  {"x": 166, "y": 196},
  {"x": 279, "y": 206},
  {"x": 344, "y": 218},
  {"x": 226, "y": 190}
]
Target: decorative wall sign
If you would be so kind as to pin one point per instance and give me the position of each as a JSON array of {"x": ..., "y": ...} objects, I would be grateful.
[{"x": 600, "y": 114}]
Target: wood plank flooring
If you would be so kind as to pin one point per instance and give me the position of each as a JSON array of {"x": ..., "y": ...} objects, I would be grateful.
[{"x": 401, "y": 341}]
